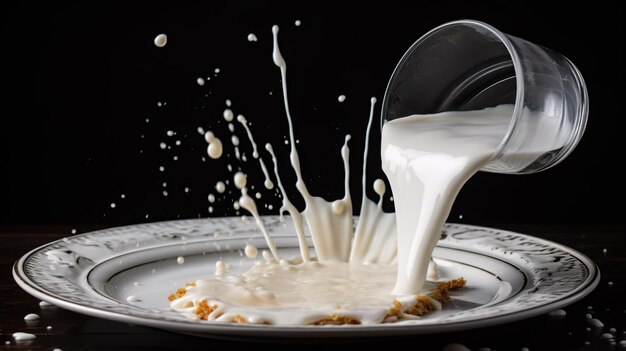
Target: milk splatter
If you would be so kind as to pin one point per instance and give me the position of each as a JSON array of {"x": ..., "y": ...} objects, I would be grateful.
[{"x": 160, "y": 40}]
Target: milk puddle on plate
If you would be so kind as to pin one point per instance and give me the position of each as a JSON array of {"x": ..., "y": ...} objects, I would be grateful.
[{"x": 362, "y": 274}]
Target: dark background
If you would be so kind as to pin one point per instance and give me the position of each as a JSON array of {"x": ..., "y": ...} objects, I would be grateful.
[{"x": 79, "y": 81}]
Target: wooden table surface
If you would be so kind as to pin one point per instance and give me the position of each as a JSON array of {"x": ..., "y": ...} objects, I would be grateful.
[{"x": 73, "y": 331}]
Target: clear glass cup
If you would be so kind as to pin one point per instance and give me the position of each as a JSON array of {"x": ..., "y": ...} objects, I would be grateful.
[{"x": 470, "y": 65}]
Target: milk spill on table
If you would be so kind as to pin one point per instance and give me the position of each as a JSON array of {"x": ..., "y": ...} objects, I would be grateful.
[{"x": 355, "y": 269}]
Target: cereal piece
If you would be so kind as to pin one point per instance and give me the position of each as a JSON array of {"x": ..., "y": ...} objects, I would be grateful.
[
  {"x": 178, "y": 294},
  {"x": 203, "y": 310},
  {"x": 336, "y": 319}
]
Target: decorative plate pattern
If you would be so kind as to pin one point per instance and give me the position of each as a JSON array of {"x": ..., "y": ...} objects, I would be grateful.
[{"x": 70, "y": 273}]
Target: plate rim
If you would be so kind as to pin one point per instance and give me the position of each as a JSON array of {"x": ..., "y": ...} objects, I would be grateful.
[{"x": 231, "y": 330}]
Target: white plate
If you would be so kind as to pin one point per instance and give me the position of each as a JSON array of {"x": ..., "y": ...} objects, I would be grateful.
[{"x": 510, "y": 276}]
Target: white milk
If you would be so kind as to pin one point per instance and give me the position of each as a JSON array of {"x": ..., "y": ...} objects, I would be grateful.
[
  {"x": 294, "y": 293},
  {"x": 307, "y": 289},
  {"x": 160, "y": 40},
  {"x": 354, "y": 270},
  {"x": 427, "y": 159}
]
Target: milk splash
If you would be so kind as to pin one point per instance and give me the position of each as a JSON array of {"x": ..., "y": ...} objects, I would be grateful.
[{"x": 350, "y": 279}]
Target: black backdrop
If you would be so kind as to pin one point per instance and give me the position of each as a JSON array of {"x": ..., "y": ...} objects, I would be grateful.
[{"x": 80, "y": 79}]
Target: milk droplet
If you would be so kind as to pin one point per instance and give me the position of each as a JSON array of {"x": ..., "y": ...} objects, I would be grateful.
[
  {"x": 133, "y": 298},
  {"x": 607, "y": 336},
  {"x": 341, "y": 98},
  {"x": 161, "y": 168},
  {"x": 113, "y": 205},
  {"x": 220, "y": 187},
  {"x": 228, "y": 115},
  {"x": 251, "y": 251},
  {"x": 220, "y": 268},
  {"x": 57, "y": 350},
  {"x": 49, "y": 328},
  {"x": 217, "y": 70},
  {"x": 228, "y": 103},
  {"x": 160, "y": 40},
  {"x": 557, "y": 313},
  {"x": 211, "y": 198},
  {"x": 200, "y": 130},
  {"x": 252, "y": 37},
  {"x": 210, "y": 209},
  {"x": 20, "y": 336},
  {"x": 214, "y": 150},
  {"x": 298, "y": 23},
  {"x": 379, "y": 187},
  {"x": 235, "y": 140},
  {"x": 595, "y": 323},
  {"x": 180, "y": 260},
  {"x": 257, "y": 195},
  {"x": 200, "y": 81},
  {"x": 31, "y": 317},
  {"x": 73, "y": 231},
  {"x": 45, "y": 304},
  {"x": 240, "y": 180}
]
